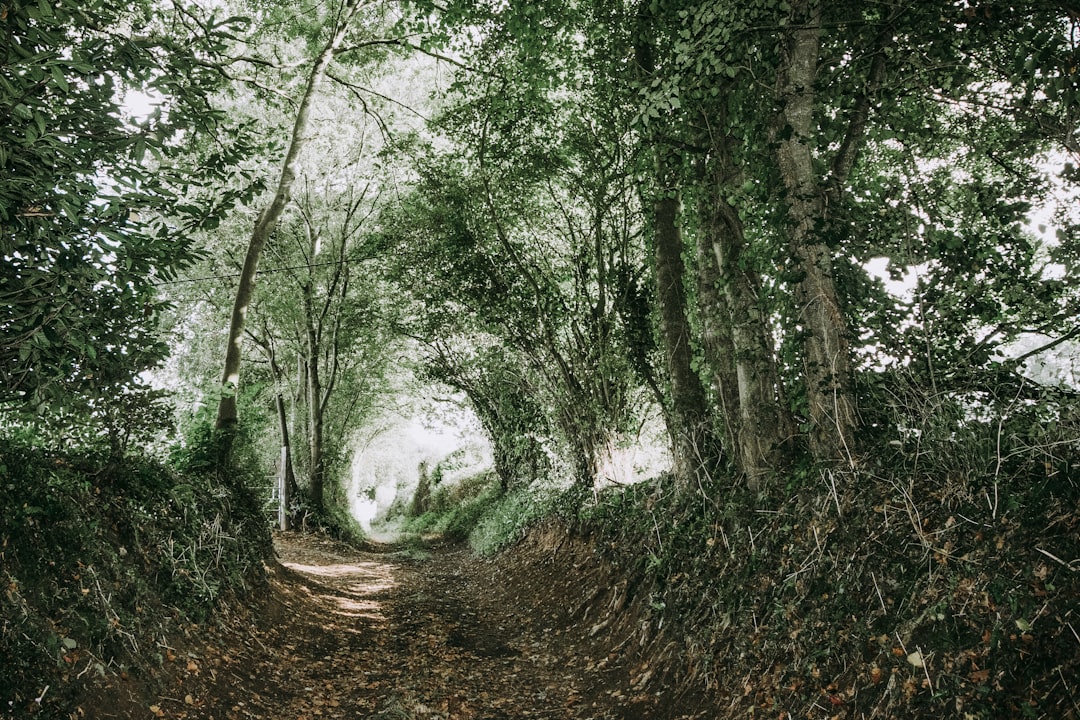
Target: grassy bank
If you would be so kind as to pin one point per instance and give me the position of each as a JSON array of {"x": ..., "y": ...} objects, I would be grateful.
[{"x": 102, "y": 560}]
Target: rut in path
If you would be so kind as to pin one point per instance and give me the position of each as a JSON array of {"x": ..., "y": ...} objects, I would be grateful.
[{"x": 390, "y": 634}]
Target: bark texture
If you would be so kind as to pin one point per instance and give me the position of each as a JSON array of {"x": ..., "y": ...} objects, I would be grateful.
[
  {"x": 826, "y": 349},
  {"x": 689, "y": 407},
  {"x": 716, "y": 334},
  {"x": 764, "y": 426}
]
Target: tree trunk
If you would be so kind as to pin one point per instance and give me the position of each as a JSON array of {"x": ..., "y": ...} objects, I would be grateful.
[
  {"x": 689, "y": 422},
  {"x": 826, "y": 351},
  {"x": 764, "y": 424},
  {"x": 287, "y": 477},
  {"x": 694, "y": 448},
  {"x": 264, "y": 227},
  {"x": 716, "y": 332},
  {"x": 315, "y": 409}
]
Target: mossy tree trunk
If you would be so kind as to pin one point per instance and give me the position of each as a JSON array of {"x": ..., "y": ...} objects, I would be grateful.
[
  {"x": 764, "y": 427},
  {"x": 689, "y": 407},
  {"x": 825, "y": 345}
]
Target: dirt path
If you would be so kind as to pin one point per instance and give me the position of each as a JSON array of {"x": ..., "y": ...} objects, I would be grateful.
[{"x": 396, "y": 634}]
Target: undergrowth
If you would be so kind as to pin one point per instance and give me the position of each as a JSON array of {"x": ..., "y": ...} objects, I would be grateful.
[
  {"x": 452, "y": 511},
  {"x": 940, "y": 578},
  {"x": 866, "y": 594},
  {"x": 102, "y": 556},
  {"x": 479, "y": 511}
]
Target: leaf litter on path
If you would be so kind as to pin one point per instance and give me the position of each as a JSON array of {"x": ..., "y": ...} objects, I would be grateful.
[{"x": 345, "y": 633}]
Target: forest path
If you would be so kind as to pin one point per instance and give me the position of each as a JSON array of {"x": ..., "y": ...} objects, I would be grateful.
[{"x": 397, "y": 634}]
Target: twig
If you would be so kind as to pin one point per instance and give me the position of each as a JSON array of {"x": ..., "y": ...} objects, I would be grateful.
[
  {"x": 832, "y": 487},
  {"x": 878, "y": 590},
  {"x": 973, "y": 522},
  {"x": 993, "y": 505},
  {"x": 926, "y": 669},
  {"x": 1073, "y": 631},
  {"x": 1067, "y": 689},
  {"x": 1056, "y": 559}
]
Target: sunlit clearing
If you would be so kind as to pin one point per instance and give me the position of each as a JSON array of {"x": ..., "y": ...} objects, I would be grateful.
[
  {"x": 389, "y": 452},
  {"x": 643, "y": 456}
]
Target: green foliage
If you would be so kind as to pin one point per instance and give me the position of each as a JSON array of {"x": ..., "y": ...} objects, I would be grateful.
[
  {"x": 100, "y": 556},
  {"x": 453, "y": 511},
  {"x": 506, "y": 521},
  {"x": 524, "y": 239},
  {"x": 85, "y": 193},
  {"x": 478, "y": 510},
  {"x": 132, "y": 418}
]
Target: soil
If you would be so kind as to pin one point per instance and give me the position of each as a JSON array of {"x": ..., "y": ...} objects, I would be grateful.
[{"x": 433, "y": 633}]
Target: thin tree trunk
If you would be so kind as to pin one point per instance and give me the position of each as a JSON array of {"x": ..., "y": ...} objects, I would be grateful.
[
  {"x": 764, "y": 424},
  {"x": 826, "y": 350},
  {"x": 299, "y": 399},
  {"x": 287, "y": 477},
  {"x": 265, "y": 225},
  {"x": 315, "y": 406},
  {"x": 694, "y": 444}
]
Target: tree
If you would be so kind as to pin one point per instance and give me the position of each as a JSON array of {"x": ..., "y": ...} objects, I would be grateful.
[
  {"x": 501, "y": 247},
  {"x": 89, "y": 217},
  {"x": 334, "y": 316},
  {"x": 515, "y": 423},
  {"x": 694, "y": 447},
  {"x": 338, "y": 25}
]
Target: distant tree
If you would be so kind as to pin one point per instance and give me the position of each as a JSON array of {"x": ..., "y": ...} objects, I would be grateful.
[{"x": 337, "y": 24}]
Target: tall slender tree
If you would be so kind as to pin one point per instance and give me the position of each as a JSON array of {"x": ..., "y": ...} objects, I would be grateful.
[{"x": 338, "y": 23}]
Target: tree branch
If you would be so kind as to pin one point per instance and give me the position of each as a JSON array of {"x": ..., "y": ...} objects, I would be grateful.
[{"x": 1075, "y": 332}]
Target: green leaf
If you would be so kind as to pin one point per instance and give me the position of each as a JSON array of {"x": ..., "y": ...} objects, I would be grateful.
[{"x": 58, "y": 78}]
